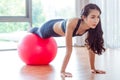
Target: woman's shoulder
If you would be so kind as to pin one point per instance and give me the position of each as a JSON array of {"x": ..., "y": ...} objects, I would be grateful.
[
  {"x": 68, "y": 19},
  {"x": 72, "y": 22},
  {"x": 74, "y": 19}
]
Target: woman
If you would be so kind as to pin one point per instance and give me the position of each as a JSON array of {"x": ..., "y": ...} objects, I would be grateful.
[{"x": 89, "y": 22}]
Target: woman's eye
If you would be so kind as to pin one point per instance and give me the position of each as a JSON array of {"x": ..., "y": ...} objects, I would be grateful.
[
  {"x": 98, "y": 17},
  {"x": 92, "y": 17}
]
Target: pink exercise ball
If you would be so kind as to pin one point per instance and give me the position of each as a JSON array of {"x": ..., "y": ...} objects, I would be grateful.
[{"x": 34, "y": 50}]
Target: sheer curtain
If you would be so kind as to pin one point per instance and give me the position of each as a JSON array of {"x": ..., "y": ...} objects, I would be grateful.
[{"x": 110, "y": 21}]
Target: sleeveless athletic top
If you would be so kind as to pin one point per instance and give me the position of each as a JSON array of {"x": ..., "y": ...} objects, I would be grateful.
[{"x": 74, "y": 32}]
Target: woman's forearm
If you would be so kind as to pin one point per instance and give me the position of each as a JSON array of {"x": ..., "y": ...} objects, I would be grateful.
[
  {"x": 92, "y": 63},
  {"x": 92, "y": 59},
  {"x": 65, "y": 61}
]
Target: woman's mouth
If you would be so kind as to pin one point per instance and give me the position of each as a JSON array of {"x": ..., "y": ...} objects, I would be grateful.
[{"x": 94, "y": 25}]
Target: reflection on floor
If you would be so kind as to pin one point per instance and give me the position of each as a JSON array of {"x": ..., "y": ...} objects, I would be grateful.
[{"x": 12, "y": 68}]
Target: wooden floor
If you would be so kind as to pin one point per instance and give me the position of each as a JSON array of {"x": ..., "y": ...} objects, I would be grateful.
[{"x": 12, "y": 68}]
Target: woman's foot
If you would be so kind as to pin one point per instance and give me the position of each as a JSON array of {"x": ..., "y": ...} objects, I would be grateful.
[{"x": 98, "y": 71}]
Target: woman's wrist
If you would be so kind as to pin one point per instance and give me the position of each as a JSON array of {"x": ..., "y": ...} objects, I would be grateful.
[{"x": 62, "y": 71}]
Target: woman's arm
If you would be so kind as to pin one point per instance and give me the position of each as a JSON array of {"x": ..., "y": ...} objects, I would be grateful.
[
  {"x": 92, "y": 63},
  {"x": 92, "y": 59},
  {"x": 68, "y": 38}
]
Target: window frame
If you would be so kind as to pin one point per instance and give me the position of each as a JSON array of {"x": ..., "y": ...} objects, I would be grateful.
[{"x": 26, "y": 18}]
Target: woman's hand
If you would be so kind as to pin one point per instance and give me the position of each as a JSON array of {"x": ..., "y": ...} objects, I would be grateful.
[
  {"x": 66, "y": 74},
  {"x": 98, "y": 71}
]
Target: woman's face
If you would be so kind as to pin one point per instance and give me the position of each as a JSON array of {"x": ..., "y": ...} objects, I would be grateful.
[{"x": 92, "y": 19}]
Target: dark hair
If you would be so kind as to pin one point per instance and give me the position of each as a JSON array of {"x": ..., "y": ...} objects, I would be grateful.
[{"x": 95, "y": 36}]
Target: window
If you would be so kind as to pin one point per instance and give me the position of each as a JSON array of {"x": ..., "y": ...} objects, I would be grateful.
[
  {"x": 15, "y": 10},
  {"x": 12, "y": 8},
  {"x": 20, "y": 11},
  {"x": 15, "y": 16}
]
